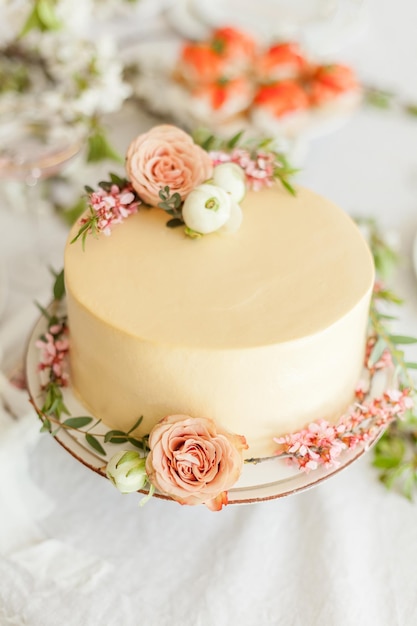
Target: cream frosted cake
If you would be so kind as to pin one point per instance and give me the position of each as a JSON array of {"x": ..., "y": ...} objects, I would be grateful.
[{"x": 250, "y": 312}]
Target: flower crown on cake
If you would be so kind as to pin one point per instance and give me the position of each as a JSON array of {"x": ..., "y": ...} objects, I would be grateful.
[{"x": 199, "y": 182}]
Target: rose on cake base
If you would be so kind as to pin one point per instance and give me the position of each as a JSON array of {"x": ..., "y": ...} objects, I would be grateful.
[{"x": 193, "y": 461}]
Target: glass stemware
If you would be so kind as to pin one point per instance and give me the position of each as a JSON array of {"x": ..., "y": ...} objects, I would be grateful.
[{"x": 33, "y": 147}]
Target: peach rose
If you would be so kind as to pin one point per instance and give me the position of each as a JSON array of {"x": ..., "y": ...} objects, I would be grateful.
[
  {"x": 193, "y": 461},
  {"x": 164, "y": 156}
]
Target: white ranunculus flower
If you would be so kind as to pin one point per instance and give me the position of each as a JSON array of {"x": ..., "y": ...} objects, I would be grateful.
[
  {"x": 231, "y": 178},
  {"x": 207, "y": 208},
  {"x": 126, "y": 470}
]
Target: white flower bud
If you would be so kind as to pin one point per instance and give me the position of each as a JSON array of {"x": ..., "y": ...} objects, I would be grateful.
[
  {"x": 231, "y": 178},
  {"x": 126, "y": 470},
  {"x": 206, "y": 208}
]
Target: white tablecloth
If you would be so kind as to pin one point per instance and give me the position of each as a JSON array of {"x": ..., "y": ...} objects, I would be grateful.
[{"x": 73, "y": 551}]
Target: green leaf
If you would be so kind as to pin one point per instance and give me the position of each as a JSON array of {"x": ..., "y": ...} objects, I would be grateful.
[
  {"x": 232, "y": 143},
  {"x": 47, "y": 15},
  {"x": 402, "y": 339},
  {"x": 288, "y": 186},
  {"x": 77, "y": 422},
  {"x": 377, "y": 351},
  {"x": 46, "y": 426},
  {"x": 378, "y": 98},
  {"x": 83, "y": 230},
  {"x": 114, "y": 433},
  {"x": 138, "y": 443},
  {"x": 175, "y": 222},
  {"x": 130, "y": 455},
  {"x": 411, "y": 366},
  {"x": 94, "y": 443},
  {"x": 135, "y": 425},
  {"x": 32, "y": 23},
  {"x": 99, "y": 148},
  {"x": 117, "y": 180},
  {"x": 59, "y": 286},
  {"x": 116, "y": 439},
  {"x": 44, "y": 312},
  {"x": 389, "y": 452}
]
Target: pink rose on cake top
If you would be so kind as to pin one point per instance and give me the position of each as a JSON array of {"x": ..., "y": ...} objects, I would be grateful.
[{"x": 164, "y": 156}]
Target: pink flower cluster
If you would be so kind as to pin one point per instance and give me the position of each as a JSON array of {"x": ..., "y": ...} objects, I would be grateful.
[
  {"x": 259, "y": 166},
  {"x": 111, "y": 207},
  {"x": 321, "y": 443},
  {"x": 54, "y": 346}
]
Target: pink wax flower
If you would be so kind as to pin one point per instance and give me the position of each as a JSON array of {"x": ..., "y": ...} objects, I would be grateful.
[
  {"x": 321, "y": 443},
  {"x": 258, "y": 165},
  {"x": 54, "y": 347},
  {"x": 111, "y": 207}
]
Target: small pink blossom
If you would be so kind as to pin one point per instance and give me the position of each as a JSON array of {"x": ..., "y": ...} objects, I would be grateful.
[
  {"x": 321, "y": 443},
  {"x": 54, "y": 347},
  {"x": 111, "y": 207},
  {"x": 259, "y": 166}
]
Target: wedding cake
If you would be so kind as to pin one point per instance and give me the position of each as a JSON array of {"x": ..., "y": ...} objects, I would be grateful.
[{"x": 260, "y": 328}]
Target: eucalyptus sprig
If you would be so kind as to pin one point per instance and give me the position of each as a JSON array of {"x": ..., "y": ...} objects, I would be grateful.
[
  {"x": 171, "y": 204},
  {"x": 52, "y": 423},
  {"x": 395, "y": 454}
]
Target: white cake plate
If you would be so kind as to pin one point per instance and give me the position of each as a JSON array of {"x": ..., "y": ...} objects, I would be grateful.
[{"x": 272, "y": 478}]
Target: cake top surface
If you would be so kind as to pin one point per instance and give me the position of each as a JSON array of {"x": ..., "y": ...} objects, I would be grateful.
[{"x": 296, "y": 266}]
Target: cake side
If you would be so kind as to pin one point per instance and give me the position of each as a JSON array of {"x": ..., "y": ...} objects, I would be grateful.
[{"x": 259, "y": 392}]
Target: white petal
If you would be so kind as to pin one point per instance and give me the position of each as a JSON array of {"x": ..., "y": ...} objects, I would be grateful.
[{"x": 232, "y": 179}]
